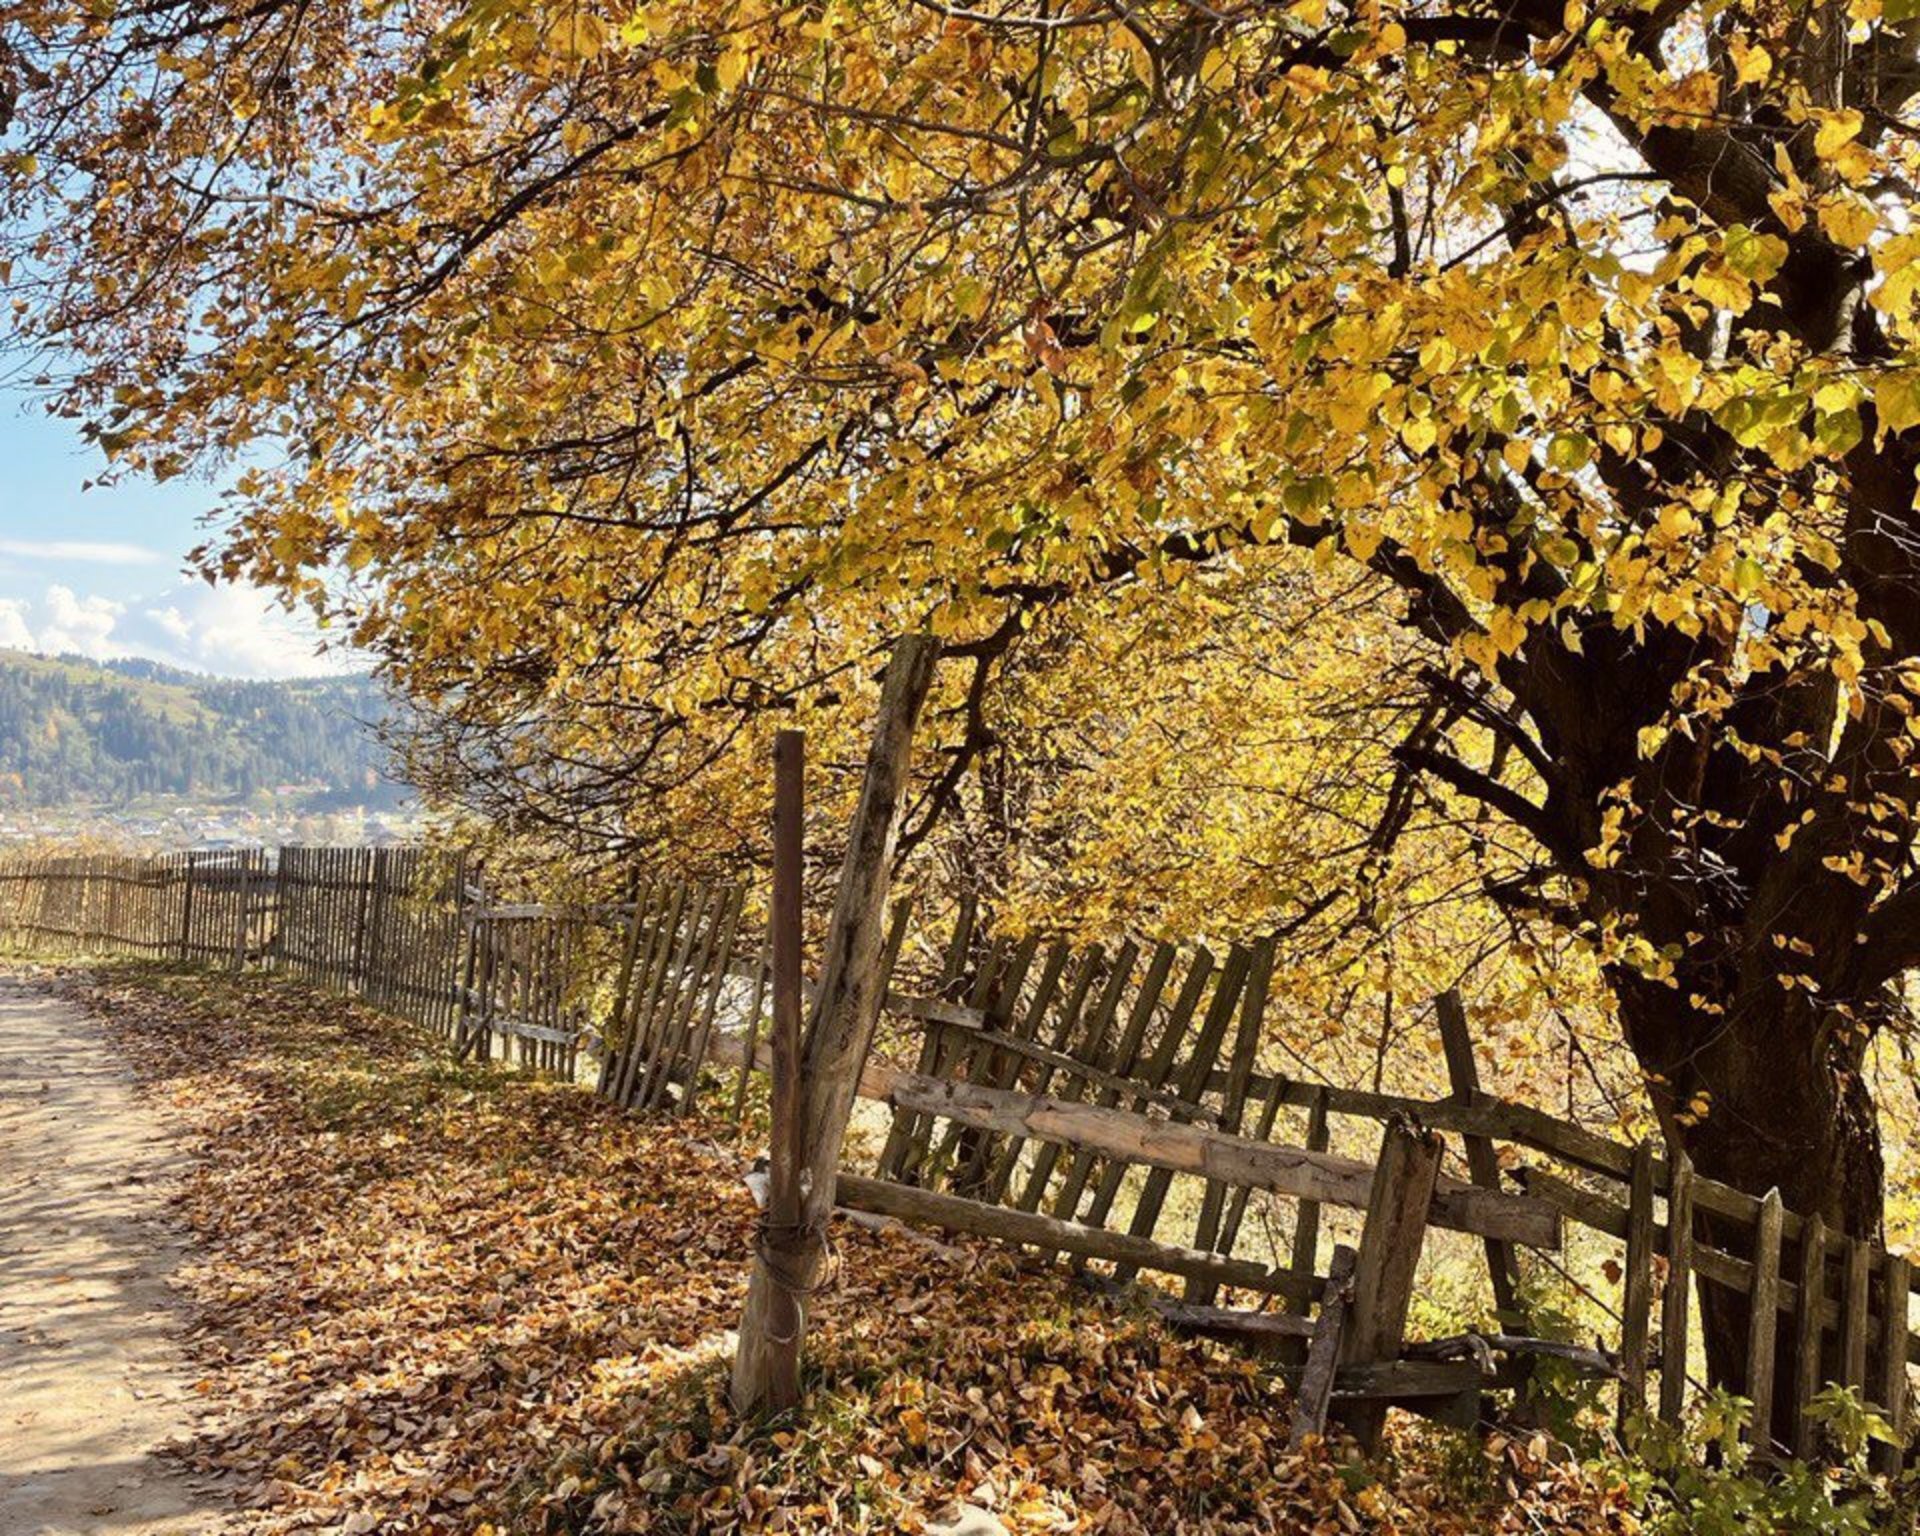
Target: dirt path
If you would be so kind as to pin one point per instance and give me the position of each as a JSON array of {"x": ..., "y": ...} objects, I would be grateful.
[{"x": 91, "y": 1373}]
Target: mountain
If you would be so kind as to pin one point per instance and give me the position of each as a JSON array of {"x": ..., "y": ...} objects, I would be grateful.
[{"x": 76, "y": 731}]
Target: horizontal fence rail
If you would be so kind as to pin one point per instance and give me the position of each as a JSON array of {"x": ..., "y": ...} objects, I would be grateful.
[{"x": 1107, "y": 1103}]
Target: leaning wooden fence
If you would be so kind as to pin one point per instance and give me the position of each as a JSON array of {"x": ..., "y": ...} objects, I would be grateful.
[{"x": 1109, "y": 1104}]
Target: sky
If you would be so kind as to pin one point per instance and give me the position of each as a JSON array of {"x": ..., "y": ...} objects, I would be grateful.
[{"x": 100, "y": 572}]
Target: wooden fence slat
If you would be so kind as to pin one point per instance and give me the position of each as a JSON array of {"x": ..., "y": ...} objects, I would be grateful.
[
  {"x": 1096, "y": 1050},
  {"x": 1246, "y": 1044},
  {"x": 1483, "y": 1164},
  {"x": 956, "y": 1213},
  {"x": 1315, "y": 1391},
  {"x": 696, "y": 1053},
  {"x": 1763, "y": 1322},
  {"x": 1192, "y": 1082},
  {"x": 958, "y": 1146},
  {"x": 1808, "y": 1334},
  {"x": 1159, "y": 1067},
  {"x": 1677, "y": 1297},
  {"x": 1855, "y": 1319},
  {"x": 1636, "y": 1309},
  {"x": 1006, "y": 1063},
  {"x": 1391, "y": 1240},
  {"x": 1894, "y": 1388},
  {"x": 1050, "y": 1061},
  {"x": 917, "y": 1161},
  {"x": 760, "y": 973},
  {"x": 903, "y": 1133}
]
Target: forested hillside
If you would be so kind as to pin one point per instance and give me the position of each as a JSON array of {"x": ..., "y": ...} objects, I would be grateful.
[{"x": 73, "y": 730}]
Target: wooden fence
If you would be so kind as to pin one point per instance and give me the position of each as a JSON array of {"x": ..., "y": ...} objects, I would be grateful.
[{"x": 1071, "y": 1100}]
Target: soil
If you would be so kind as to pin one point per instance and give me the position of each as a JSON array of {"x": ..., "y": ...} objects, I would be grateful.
[{"x": 93, "y": 1370}]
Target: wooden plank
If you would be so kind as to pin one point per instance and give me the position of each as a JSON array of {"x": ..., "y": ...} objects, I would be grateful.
[
  {"x": 1093, "y": 1053},
  {"x": 1158, "y": 1069},
  {"x": 945, "y": 1048},
  {"x": 1763, "y": 1321},
  {"x": 1193, "y": 1079},
  {"x": 1128, "y": 1139},
  {"x": 1407, "y": 1381},
  {"x": 1710, "y": 1265},
  {"x": 1399, "y": 1206},
  {"x": 1233, "y": 1104},
  {"x": 1636, "y": 1306},
  {"x": 956, "y": 1213},
  {"x": 1238, "y": 1197},
  {"x": 1314, "y": 1392},
  {"x": 1677, "y": 1297},
  {"x": 903, "y": 1134},
  {"x": 647, "y": 996},
  {"x": 1118, "y": 1060},
  {"x": 1854, "y": 1313},
  {"x": 1483, "y": 1163},
  {"x": 853, "y": 986},
  {"x": 696, "y": 1052},
  {"x": 1092, "y": 962},
  {"x": 1306, "y": 1221},
  {"x": 678, "y": 987},
  {"x": 1231, "y": 1324},
  {"x": 633, "y": 961},
  {"x": 760, "y": 971},
  {"x": 1518, "y": 1123},
  {"x": 1808, "y": 1335},
  {"x": 1005, "y": 1054},
  {"x": 766, "y": 1368},
  {"x": 671, "y": 1042},
  {"x": 1894, "y": 1389}
]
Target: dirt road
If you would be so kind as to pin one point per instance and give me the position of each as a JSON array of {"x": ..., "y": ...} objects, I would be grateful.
[{"x": 92, "y": 1376}]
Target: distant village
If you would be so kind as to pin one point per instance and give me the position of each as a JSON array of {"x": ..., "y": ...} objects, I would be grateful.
[{"x": 286, "y": 814}]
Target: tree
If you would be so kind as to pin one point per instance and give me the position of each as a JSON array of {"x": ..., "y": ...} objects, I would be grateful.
[{"x": 638, "y": 368}]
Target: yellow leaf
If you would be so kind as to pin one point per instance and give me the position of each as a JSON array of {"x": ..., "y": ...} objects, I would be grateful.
[
  {"x": 1848, "y": 220},
  {"x": 1752, "y": 63},
  {"x": 1896, "y": 399},
  {"x": 1837, "y": 130}
]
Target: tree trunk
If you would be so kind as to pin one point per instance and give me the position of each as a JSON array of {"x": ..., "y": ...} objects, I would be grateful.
[{"x": 1766, "y": 1095}]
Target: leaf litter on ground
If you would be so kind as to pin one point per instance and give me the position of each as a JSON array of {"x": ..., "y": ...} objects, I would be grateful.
[{"x": 435, "y": 1297}]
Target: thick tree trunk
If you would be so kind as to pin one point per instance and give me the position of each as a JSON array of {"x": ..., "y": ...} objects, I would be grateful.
[{"x": 1767, "y": 1094}]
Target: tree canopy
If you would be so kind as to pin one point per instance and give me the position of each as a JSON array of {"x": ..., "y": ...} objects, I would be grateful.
[{"x": 1490, "y": 420}]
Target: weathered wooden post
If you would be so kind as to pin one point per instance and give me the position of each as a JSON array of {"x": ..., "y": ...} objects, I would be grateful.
[
  {"x": 186, "y": 910},
  {"x": 1483, "y": 1164},
  {"x": 789, "y": 1257},
  {"x": 1398, "y": 1206}
]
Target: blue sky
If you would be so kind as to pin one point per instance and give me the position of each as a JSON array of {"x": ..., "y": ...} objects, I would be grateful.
[{"x": 100, "y": 572}]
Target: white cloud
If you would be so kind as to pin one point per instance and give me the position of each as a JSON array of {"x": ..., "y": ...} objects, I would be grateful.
[
  {"x": 80, "y": 625},
  {"x": 85, "y": 551},
  {"x": 229, "y": 630},
  {"x": 15, "y": 634}
]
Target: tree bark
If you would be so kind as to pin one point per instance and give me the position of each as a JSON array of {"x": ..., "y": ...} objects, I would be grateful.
[{"x": 1786, "y": 1107}]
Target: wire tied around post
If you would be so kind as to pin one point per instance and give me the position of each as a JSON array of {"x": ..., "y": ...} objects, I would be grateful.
[{"x": 786, "y": 1248}]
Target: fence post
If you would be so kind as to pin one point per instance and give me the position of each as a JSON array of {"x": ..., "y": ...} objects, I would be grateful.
[
  {"x": 1636, "y": 1307},
  {"x": 789, "y": 1254},
  {"x": 1763, "y": 1318},
  {"x": 186, "y": 910},
  {"x": 1483, "y": 1164},
  {"x": 1676, "y": 1304},
  {"x": 1809, "y": 1331},
  {"x": 1896, "y": 1277},
  {"x": 273, "y": 946},
  {"x": 1390, "y": 1242}
]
